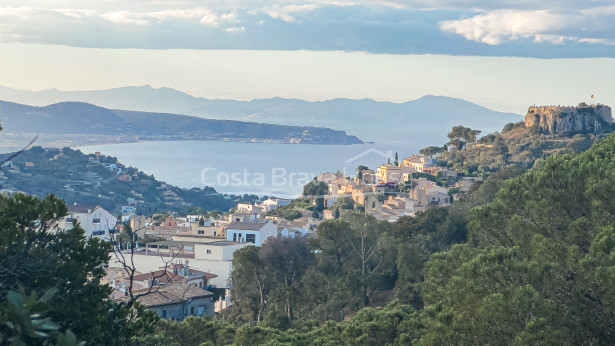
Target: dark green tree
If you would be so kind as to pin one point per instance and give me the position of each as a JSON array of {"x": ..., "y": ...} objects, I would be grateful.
[
  {"x": 432, "y": 151},
  {"x": 286, "y": 260},
  {"x": 460, "y": 136},
  {"x": 35, "y": 255},
  {"x": 316, "y": 191},
  {"x": 251, "y": 285}
]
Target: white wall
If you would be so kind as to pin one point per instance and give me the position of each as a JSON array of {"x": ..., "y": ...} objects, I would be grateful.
[
  {"x": 216, "y": 252},
  {"x": 86, "y": 220},
  {"x": 268, "y": 230}
]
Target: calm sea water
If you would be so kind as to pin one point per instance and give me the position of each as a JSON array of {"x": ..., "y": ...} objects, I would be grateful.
[{"x": 254, "y": 168}]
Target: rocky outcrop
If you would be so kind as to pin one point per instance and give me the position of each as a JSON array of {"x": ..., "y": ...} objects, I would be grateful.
[{"x": 559, "y": 120}]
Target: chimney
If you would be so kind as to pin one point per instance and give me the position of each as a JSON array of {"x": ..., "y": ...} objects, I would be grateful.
[{"x": 186, "y": 269}]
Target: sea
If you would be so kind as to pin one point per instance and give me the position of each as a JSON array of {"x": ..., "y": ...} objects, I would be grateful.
[{"x": 263, "y": 169}]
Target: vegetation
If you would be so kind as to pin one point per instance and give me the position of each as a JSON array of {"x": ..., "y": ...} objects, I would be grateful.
[
  {"x": 461, "y": 136},
  {"x": 63, "y": 269},
  {"x": 522, "y": 258},
  {"x": 514, "y": 146},
  {"x": 88, "y": 179},
  {"x": 313, "y": 201}
]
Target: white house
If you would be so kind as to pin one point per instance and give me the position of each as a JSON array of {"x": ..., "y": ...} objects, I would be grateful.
[
  {"x": 248, "y": 208},
  {"x": 217, "y": 251},
  {"x": 251, "y": 232},
  {"x": 243, "y": 217},
  {"x": 274, "y": 203},
  {"x": 95, "y": 220}
]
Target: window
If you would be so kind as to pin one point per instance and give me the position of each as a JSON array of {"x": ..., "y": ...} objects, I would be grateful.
[
  {"x": 234, "y": 236},
  {"x": 192, "y": 310},
  {"x": 164, "y": 313},
  {"x": 201, "y": 232},
  {"x": 96, "y": 220},
  {"x": 250, "y": 238},
  {"x": 214, "y": 233},
  {"x": 208, "y": 251}
]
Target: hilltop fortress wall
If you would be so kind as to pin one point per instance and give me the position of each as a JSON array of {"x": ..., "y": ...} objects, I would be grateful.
[{"x": 558, "y": 119}]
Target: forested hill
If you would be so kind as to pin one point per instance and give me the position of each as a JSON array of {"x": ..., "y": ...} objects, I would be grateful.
[
  {"x": 515, "y": 145},
  {"x": 524, "y": 261},
  {"x": 77, "y": 119},
  {"x": 102, "y": 180}
]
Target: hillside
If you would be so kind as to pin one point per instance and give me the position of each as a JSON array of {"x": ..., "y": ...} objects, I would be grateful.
[
  {"x": 522, "y": 261},
  {"x": 413, "y": 123},
  {"x": 515, "y": 145},
  {"x": 77, "y": 119},
  {"x": 102, "y": 180}
]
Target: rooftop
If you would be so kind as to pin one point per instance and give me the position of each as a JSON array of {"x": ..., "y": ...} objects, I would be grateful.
[
  {"x": 247, "y": 226},
  {"x": 173, "y": 294},
  {"x": 221, "y": 243},
  {"x": 81, "y": 208}
]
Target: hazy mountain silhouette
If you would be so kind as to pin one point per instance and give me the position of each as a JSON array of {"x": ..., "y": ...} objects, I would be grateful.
[
  {"x": 68, "y": 118},
  {"x": 421, "y": 122}
]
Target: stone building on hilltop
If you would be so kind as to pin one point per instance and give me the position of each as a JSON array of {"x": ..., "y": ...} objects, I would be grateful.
[{"x": 560, "y": 120}]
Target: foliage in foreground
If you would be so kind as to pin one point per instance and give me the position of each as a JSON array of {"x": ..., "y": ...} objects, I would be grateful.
[{"x": 38, "y": 260}]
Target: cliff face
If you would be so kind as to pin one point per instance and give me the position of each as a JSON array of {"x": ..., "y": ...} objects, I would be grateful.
[{"x": 558, "y": 120}]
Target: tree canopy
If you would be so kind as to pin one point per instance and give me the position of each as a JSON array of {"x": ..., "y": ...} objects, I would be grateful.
[
  {"x": 37, "y": 258},
  {"x": 460, "y": 136}
]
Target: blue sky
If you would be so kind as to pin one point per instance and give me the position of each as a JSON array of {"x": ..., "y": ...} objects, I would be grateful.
[{"x": 483, "y": 51}]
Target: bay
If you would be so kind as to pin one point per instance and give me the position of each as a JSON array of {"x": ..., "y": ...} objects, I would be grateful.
[{"x": 254, "y": 168}]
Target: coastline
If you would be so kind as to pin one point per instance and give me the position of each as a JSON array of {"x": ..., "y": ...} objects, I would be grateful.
[{"x": 11, "y": 142}]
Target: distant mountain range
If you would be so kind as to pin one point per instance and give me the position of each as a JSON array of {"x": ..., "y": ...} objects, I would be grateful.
[
  {"x": 418, "y": 123},
  {"x": 79, "y": 119}
]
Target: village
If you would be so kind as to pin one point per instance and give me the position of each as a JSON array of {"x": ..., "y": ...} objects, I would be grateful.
[{"x": 181, "y": 266}]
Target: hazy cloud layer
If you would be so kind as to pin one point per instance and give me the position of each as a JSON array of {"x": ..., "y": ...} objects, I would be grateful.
[{"x": 549, "y": 28}]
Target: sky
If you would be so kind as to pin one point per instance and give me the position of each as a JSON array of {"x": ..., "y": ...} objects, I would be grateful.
[{"x": 500, "y": 54}]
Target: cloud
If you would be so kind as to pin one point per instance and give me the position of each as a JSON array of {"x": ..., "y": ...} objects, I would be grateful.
[
  {"x": 598, "y": 41},
  {"x": 286, "y": 13},
  {"x": 203, "y": 15},
  {"x": 495, "y": 27},
  {"x": 549, "y": 28},
  {"x": 542, "y": 26},
  {"x": 124, "y": 17},
  {"x": 235, "y": 29}
]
